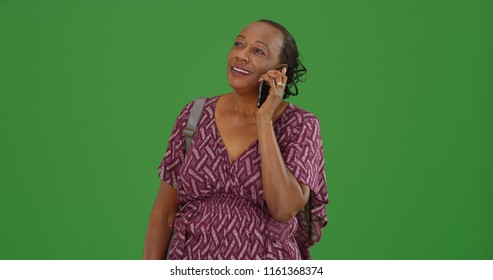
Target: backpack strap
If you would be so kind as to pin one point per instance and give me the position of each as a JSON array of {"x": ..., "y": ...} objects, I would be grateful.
[{"x": 193, "y": 121}]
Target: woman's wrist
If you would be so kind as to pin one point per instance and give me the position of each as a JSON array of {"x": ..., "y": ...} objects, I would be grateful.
[{"x": 263, "y": 121}]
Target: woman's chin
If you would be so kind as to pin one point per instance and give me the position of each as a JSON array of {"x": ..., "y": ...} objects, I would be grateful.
[{"x": 242, "y": 85}]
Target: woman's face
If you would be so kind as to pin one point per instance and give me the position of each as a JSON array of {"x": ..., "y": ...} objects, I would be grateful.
[{"x": 255, "y": 51}]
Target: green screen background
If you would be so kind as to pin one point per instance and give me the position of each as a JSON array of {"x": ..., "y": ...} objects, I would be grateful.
[{"x": 403, "y": 90}]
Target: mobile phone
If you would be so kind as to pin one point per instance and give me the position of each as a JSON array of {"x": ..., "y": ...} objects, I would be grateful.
[{"x": 263, "y": 90}]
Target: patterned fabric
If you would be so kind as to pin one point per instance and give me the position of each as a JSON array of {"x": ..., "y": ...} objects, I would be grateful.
[{"x": 222, "y": 212}]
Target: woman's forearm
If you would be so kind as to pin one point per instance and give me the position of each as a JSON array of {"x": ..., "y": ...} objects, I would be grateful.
[
  {"x": 157, "y": 239},
  {"x": 283, "y": 193}
]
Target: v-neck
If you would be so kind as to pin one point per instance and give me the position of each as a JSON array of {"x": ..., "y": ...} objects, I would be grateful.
[{"x": 221, "y": 140}]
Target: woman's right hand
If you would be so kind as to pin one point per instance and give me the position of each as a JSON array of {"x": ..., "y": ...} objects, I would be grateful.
[{"x": 277, "y": 82}]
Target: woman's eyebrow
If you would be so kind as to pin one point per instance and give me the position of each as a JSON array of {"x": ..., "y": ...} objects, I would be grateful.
[{"x": 260, "y": 42}]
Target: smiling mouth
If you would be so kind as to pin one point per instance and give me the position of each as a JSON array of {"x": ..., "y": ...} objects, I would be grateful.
[{"x": 239, "y": 70}]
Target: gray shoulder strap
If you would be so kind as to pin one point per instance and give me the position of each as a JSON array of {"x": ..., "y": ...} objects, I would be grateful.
[{"x": 193, "y": 121}]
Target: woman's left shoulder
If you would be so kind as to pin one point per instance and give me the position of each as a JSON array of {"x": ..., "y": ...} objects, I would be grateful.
[{"x": 299, "y": 116}]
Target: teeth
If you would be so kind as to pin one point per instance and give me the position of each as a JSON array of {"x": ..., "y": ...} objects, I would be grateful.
[{"x": 241, "y": 71}]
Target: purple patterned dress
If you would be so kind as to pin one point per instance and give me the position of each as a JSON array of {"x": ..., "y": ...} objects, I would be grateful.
[{"x": 222, "y": 212}]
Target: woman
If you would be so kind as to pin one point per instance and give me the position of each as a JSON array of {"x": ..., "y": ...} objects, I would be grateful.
[{"x": 252, "y": 185}]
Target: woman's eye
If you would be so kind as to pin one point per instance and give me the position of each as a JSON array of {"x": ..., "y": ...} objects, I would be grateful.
[
  {"x": 259, "y": 51},
  {"x": 238, "y": 44}
]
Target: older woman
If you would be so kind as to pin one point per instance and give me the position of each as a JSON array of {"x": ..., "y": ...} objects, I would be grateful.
[{"x": 252, "y": 185}]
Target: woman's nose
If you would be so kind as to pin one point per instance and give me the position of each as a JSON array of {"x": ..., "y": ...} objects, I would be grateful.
[{"x": 242, "y": 55}]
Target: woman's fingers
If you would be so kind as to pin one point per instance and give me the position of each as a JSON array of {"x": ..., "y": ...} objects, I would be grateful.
[
  {"x": 276, "y": 79},
  {"x": 271, "y": 81},
  {"x": 275, "y": 74},
  {"x": 270, "y": 75}
]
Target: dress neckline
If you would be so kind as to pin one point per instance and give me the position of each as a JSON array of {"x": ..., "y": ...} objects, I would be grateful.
[{"x": 249, "y": 147}]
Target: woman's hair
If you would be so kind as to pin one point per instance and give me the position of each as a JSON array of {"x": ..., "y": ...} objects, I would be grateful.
[{"x": 290, "y": 56}]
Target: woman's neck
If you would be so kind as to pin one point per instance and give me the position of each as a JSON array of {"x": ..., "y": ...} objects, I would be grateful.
[{"x": 244, "y": 103}]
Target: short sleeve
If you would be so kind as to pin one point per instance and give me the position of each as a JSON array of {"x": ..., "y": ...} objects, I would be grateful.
[
  {"x": 304, "y": 157},
  {"x": 175, "y": 152}
]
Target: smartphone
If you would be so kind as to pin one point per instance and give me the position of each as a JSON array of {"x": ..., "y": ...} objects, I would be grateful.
[{"x": 263, "y": 90}]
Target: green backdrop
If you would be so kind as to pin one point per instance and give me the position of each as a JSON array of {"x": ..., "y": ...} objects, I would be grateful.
[{"x": 90, "y": 91}]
